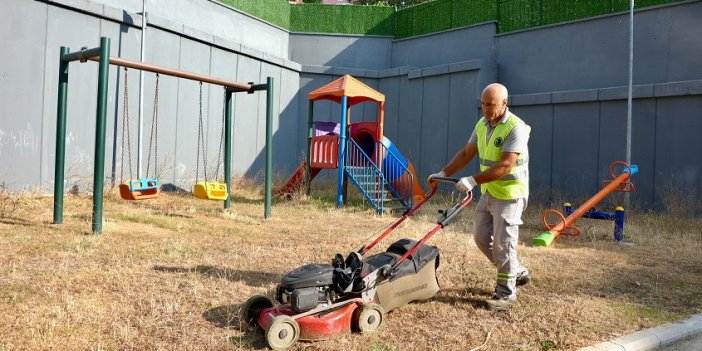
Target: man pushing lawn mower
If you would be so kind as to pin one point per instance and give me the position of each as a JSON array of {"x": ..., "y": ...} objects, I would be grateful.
[
  {"x": 500, "y": 139},
  {"x": 318, "y": 301}
]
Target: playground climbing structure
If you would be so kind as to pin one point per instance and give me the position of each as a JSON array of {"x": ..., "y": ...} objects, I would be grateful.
[{"x": 359, "y": 151}]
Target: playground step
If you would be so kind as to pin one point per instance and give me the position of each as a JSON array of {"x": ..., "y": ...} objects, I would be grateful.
[
  {"x": 369, "y": 185},
  {"x": 366, "y": 177},
  {"x": 373, "y": 191},
  {"x": 386, "y": 197},
  {"x": 372, "y": 184}
]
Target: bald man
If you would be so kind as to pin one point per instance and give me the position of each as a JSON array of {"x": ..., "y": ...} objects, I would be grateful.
[{"x": 500, "y": 140}]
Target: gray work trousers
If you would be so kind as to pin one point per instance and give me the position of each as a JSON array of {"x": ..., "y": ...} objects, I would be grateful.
[{"x": 496, "y": 232}]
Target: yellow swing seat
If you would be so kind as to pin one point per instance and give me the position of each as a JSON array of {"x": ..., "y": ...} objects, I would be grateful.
[
  {"x": 139, "y": 189},
  {"x": 211, "y": 191}
]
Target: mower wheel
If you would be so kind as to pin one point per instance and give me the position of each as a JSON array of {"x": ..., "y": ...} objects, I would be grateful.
[
  {"x": 252, "y": 308},
  {"x": 369, "y": 318},
  {"x": 282, "y": 332}
]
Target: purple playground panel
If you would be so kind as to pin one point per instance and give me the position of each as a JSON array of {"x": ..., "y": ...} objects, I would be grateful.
[{"x": 326, "y": 128}]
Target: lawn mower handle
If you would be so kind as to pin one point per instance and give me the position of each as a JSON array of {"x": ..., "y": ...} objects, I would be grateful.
[
  {"x": 449, "y": 180},
  {"x": 446, "y": 179},
  {"x": 364, "y": 249},
  {"x": 447, "y": 216}
]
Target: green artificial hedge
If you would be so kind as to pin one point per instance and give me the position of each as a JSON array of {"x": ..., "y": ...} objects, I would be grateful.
[
  {"x": 273, "y": 11},
  {"x": 428, "y": 17},
  {"x": 318, "y": 18},
  {"x": 522, "y": 14},
  {"x": 441, "y": 15}
]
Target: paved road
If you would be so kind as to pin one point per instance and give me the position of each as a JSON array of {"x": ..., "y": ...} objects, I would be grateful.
[{"x": 689, "y": 344}]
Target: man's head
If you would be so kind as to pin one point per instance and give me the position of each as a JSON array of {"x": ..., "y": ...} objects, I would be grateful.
[{"x": 494, "y": 102}]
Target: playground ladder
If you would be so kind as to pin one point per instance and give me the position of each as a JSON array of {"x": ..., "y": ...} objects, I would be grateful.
[{"x": 369, "y": 179}]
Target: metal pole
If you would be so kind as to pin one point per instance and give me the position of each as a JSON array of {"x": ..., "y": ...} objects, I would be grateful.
[
  {"x": 228, "y": 146},
  {"x": 310, "y": 134},
  {"x": 60, "y": 163},
  {"x": 83, "y": 55},
  {"x": 342, "y": 153},
  {"x": 619, "y": 224},
  {"x": 100, "y": 121},
  {"x": 629, "y": 104},
  {"x": 269, "y": 145},
  {"x": 140, "y": 139},
  {"x": 236, "y": 86}
]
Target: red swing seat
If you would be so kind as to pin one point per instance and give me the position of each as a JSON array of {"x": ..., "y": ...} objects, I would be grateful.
[{"x": 139, "y": 189}]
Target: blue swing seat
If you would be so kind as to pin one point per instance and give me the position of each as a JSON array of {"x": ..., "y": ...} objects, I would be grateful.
[{"x": 143, "y": 184}]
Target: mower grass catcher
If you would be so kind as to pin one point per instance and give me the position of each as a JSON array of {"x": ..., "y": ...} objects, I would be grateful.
[{"x": 319, "y": 301}]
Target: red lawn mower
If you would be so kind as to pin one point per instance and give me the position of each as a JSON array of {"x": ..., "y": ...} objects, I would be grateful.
[{"x": 319, "y": 301}]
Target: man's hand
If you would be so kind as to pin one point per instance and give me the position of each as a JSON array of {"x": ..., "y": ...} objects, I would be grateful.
[
  {"x": 466, "y": 184},
  {"x": 439, "y": 174}
]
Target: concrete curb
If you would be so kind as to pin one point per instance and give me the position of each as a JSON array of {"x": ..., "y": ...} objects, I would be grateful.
[{"x": 653, "y": 338}]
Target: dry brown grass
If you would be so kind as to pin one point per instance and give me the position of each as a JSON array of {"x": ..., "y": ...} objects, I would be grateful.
[{"x": 171, "y": 273}]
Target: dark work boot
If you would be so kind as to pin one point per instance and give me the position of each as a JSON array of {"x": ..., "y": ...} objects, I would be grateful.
[{"x": 523, "y": 278}]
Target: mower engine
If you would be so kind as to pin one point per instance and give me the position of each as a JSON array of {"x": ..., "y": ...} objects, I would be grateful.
[
  {"x": 307, "y": 287},
  {"x": 319, "y": 285}
]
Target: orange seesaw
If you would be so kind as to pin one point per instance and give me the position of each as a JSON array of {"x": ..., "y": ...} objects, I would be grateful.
[{"x": 619, "y": 183}]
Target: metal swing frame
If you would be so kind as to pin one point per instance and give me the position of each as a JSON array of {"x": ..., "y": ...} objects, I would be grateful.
[{"x": 101, "y": 54}]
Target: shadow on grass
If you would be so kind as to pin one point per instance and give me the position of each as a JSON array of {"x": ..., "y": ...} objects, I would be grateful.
[
  {"x": 16, "y": 221},
  {"x": 252, "y": 278},
  {"x": 174, "y": 189},
  {"x": 243, "y": 200},
  {"x": 472, "y": 296},
  {"x": 227, "y": 317}
]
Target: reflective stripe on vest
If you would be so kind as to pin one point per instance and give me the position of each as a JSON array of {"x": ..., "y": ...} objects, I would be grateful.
[{"x": 511, "y": 185}]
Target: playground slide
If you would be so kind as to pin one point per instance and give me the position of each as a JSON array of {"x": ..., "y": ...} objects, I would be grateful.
[
  {"x": 406, "y": 180},
  {"x": 297, "y": 180}
]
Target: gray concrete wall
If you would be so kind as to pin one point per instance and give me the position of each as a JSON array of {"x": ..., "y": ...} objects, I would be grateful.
[
  {"x": 470, "y": 43},
  {"x": 594, "y": 53},
  {"x": 351, "y": 51},
  {"x": 207, "y": 16},
  {"x": 35, "y": 30}
]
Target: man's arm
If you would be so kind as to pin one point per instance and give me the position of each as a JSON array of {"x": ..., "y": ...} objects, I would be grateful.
[
  {"x": 461, "y": 159},
  {"x": 499, "y": 169}
]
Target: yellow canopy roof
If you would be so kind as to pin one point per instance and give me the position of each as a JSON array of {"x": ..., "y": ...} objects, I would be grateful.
[{"x": 348, "y": 86}]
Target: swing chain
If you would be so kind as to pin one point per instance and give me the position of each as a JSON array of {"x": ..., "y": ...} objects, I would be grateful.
[
  {"x": 125, "y": 128},
  {"x": 153, "y": 139},
  {"x": 221, "y": 136},
  {"x": 201, "y": 142}
]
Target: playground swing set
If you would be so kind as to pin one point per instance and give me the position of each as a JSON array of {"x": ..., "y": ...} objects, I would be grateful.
[{"x": 141, "y": 188}]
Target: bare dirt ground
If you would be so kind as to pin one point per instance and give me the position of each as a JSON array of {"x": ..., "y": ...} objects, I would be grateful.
[{"x": 171, "y": 273}]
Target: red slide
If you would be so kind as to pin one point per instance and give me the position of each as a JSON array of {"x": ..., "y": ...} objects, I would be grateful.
[{"x": 297, "y": 180}]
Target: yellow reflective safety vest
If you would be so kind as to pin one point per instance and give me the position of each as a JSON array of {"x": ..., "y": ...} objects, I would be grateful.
[{"x": 513, "y": 185}]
